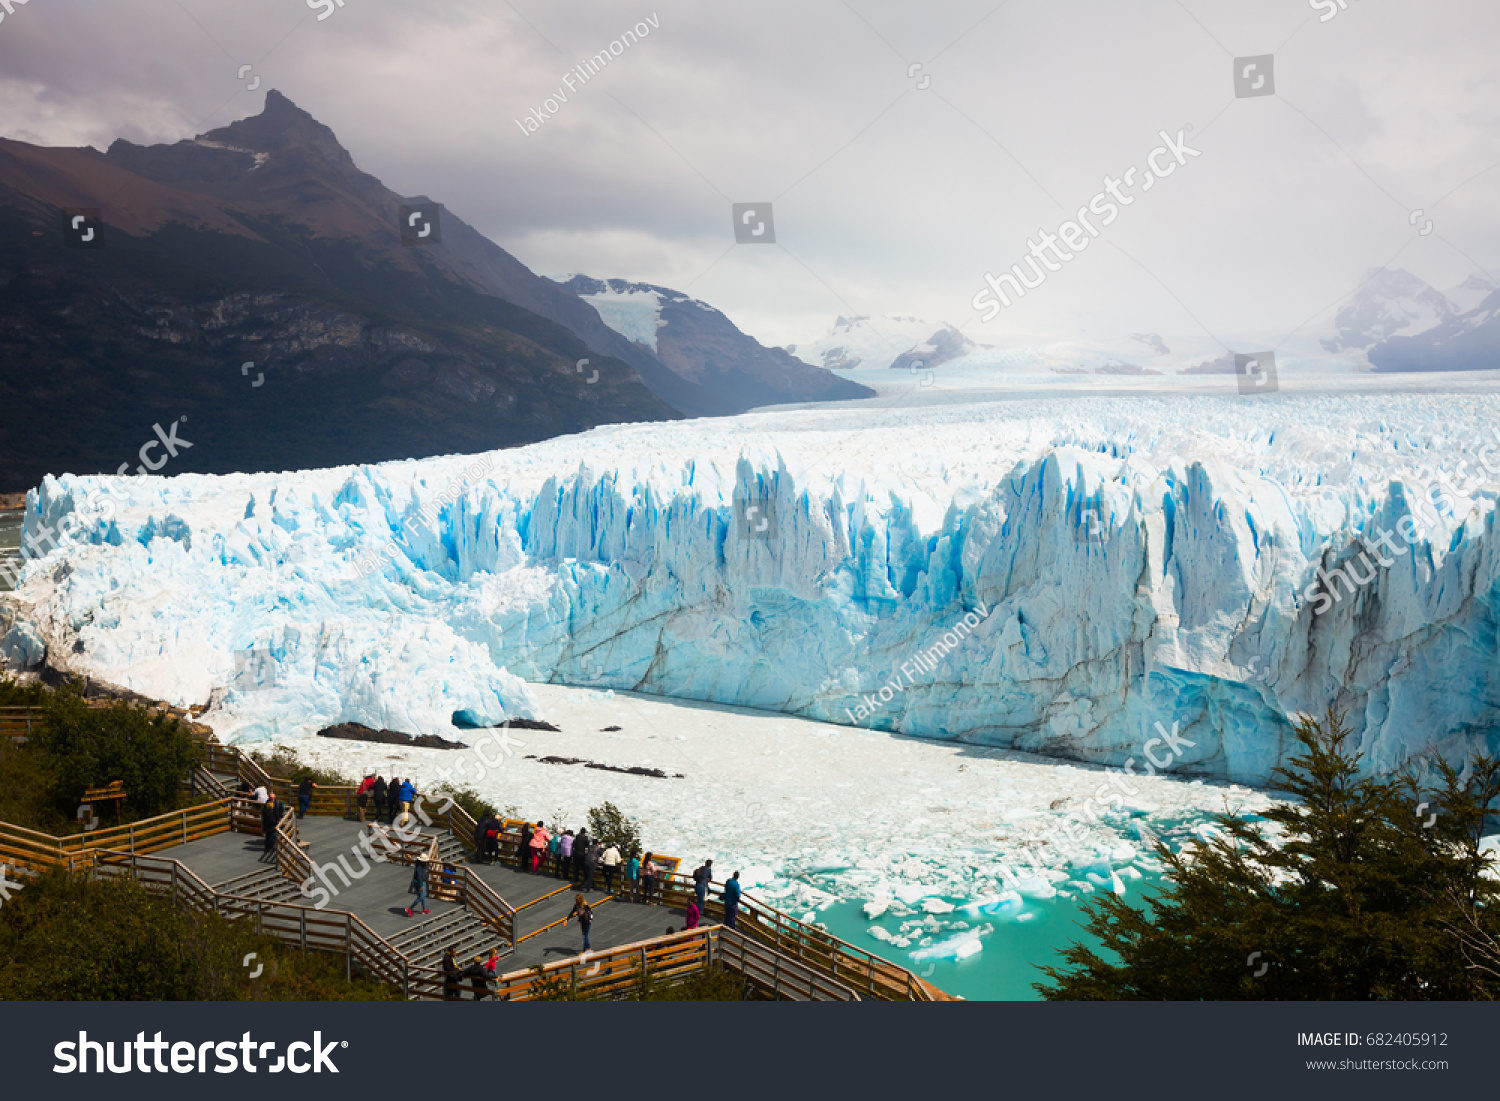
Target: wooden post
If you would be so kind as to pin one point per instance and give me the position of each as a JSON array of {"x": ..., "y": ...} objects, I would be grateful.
[
  {"x": 348, "y": 946},
  {"x": 184, "y": 827},
  {"x": 302, "y": 929}
]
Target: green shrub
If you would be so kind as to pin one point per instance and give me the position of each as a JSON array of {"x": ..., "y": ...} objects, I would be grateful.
[
  {"x": 90, "y": 747},
  {"x": 468, "y": 799},
  {"x": 64, "y": 937},
  {"x": 608, "y": 822}
]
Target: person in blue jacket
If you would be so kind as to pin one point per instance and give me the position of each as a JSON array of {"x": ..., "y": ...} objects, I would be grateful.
[
  {"x": 732, "y": 901},
  {"x": 419, "y": 875},
  {"x": 408, "y": 796}
]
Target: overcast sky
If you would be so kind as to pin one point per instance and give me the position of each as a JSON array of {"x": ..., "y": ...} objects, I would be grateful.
[{"x": 888, "y": 196}]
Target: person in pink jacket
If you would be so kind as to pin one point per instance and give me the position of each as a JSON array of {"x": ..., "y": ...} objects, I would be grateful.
[{"x": 539, "y": 839}]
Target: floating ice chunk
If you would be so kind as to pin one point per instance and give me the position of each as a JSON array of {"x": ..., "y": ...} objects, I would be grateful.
[
  {"x": 937, "y": 906},
  {"x": 879, "y": 934},
  {"x": 1001, "y": 905},
  {"x": 1116, "y": 884},
  {"x": 912, "y": 893},
  {"x": 960, "y": 947},
  {"x": 876, "y": 906}
]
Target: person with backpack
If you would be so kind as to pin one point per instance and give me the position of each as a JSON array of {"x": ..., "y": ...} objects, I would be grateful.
[
  {"x": 585, "y": 915},
  {"x": 539, "y": 839},
  {"x": 732, "y": 902},
  {"x": 270, "y": 818},
  {"x": 492, "y": 840},
  {"x": 648, "y": 878},
  {"x": 564, "y": 855},
  {"x": 451, "y": 976},
  {"x": 304, "y": 795},
  {"x": 523, "y": 846},
  {"x": 580, "y": 850},
  {"x": 393, "y": 799},
  {"x": 420, "y": 871},
  {"x": 703, "y": 876},
  {"x": 632, "y": 877},
  {"x": 591, "y": 865},
  {"x": 481, "y": 835},
  {"x": 554, "y": 846},
  {"x": 362, "y": 797},
  {"x": 378, "y": 797},
  {"x": 610, "y": 861}
]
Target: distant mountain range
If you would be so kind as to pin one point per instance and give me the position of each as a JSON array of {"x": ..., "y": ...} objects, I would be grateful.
[
  {"x": 1401, "y": 323},
  {"x": 256, "y": 286}
]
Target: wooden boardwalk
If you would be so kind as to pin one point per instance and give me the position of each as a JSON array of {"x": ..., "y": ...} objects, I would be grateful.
[{"x": 379, "y": 896}]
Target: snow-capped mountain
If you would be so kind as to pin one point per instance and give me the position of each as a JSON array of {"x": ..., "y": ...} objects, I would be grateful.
[
  {"x": 944, "y": 345},
  {"x": 1390, "y": 303},
  {"x": 866, "y": 341},
  {"x": 1468, "y": 342},
  {"x": 705, "y": 349}
]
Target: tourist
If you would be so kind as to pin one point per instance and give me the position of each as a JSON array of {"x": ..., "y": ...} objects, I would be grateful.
[
  {"x": 393, "y": 799},
  {"x": 451, "y": 976},
  {"x": 408, "y": 793},
  {"x": 732, "y": 901},
  {"x": 492, "y": 840},
  {"x": 564, "y": 855},
  {"x": 554, "y": 846},
  {"x": 702, "y": 877},
  {"x": 378, "y": 797},
  {"x": 479, "y": 975},
  {"x": 585, "y": 915},
  {"x": 693, "y": 914},
  {"x": 632, "y": 876},
  {"x": 523, "y": 846},
  {"x": 591, "y": 865},
  {"x": 481, "y": 835},
  {"x": 270, "y": 819},
  {"x": 580, "y": 850},
  {"x": 419, "y": 873},
  {"x": 539, "y": 839},
  {"x": 362, "y": 797},
  {"x": 304, "y": 795},
  {"x": 611, "y": 863},
  {"x": 648, "y": 879}
]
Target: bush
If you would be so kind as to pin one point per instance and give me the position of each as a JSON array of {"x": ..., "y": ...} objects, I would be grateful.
[
  {"x": 88, "y": 747},
  {"x": 65, "y": 937},
  {"x": 1373, "y": 890},
  {"x": 608, "y": 823}
]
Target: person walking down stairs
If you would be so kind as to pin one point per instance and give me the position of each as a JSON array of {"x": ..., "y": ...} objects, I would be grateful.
[
  {"x": 270, "y": 817},
  {"x": 585, "y": 915},
  {"x": 419, "y": 875}
]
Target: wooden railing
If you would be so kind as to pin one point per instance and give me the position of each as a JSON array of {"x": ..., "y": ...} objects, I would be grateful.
[
  {"x": 617, "y": 972},
  {"x": 863, "y": 971},
  {"x": 18, "y": 722},
  {"x": 40, "y": 851},
  {"x": 304, "y": 927}
]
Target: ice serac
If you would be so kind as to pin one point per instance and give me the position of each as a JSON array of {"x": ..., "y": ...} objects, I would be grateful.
[{"x": 1067, "y": 593}]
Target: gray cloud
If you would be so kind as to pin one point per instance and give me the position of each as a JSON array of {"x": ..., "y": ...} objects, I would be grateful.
[{"x": 889, "y": 197}]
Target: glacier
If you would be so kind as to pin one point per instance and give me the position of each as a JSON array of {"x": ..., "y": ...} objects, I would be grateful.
[{"x": 1069, "y": 576}]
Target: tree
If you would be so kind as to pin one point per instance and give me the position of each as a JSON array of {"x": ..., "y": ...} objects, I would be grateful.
[
  {"x": 608, "y": 822},
  {"x": 91, "y": 747},
  {"x": 1354, "y": 888}
]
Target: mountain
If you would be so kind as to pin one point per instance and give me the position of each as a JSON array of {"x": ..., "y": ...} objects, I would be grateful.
[
  {"x": 705, "y": 349},
  {"x": 1467, "y": 342},
  {"x": 254, "y": 283},
  {"x": 944, "y": 345},
  {"x": 865, "y": 341},
  {"x": 1388, "y": 304}
]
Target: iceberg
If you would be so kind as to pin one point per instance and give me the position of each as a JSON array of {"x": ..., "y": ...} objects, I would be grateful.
[{"x": 1138, "y": 587}]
